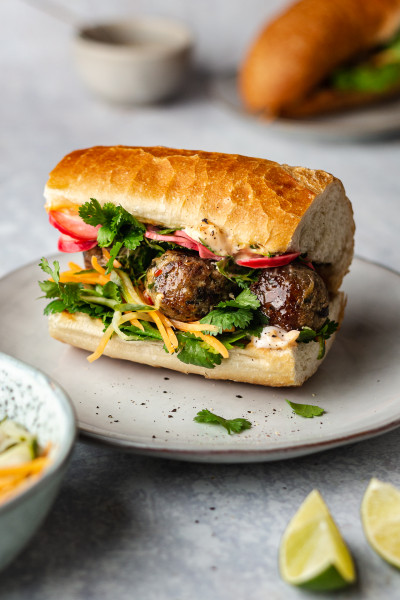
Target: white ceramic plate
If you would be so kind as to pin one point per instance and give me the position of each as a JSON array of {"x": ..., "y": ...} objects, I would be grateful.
[
  {"x": 380, "y": 120},
  {"x": 151, "y": 410}
]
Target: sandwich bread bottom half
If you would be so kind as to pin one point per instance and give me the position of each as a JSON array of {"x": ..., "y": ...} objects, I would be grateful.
[{"x": 289, "y": 366}]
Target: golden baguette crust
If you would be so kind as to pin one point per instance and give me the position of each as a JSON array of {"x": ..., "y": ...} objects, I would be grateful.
[
  {"x": 277, "y": 368},
  {"x": 301, "y": 47},
  {"x": 247, "y": 200}
]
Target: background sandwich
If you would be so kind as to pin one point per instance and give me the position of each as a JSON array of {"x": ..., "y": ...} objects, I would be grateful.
[
  {"x": 217, "y": 264},
  {"x": 320, "y": 56}
]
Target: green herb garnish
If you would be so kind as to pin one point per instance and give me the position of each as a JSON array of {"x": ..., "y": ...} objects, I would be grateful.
[
  {"x": 117, "y": 227},
  {"x": 309, "y": 335},
  {"x": 231, "y": 425},
  {"x": 194, "y": 351},
  {"x": 238, "y": 313},
  {"x": 306, "y": 410}
]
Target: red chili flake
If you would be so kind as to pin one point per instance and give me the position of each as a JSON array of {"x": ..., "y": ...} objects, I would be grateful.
[{"x": 157, "y": 273}]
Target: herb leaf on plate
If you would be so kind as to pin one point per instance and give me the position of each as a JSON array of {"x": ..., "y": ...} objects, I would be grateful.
[
  {"x": 306, "y": 410},
  {"x": 231, "y": 425}
]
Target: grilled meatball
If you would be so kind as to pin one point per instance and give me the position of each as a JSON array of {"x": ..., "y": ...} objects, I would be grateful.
[
  {"x": 292, "y": 297},
  {"x": 186, "y": 286},
  {"x": 97, "y": 252}
]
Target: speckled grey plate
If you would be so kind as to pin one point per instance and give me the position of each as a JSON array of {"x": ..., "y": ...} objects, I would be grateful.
[
  {"x": 151, "y": 411},
  {"x": 378, "y": 120}
]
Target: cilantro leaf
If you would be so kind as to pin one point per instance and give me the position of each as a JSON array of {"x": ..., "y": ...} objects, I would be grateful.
[
  {"x": 70, "y": 293},
  {"x": 306, "y": 410},
  {"x": 308, "y": 335},
  {"x": 241, "y": 337},
  {"x": 93, "y": 214},
  {"x": 116, "y": 226},
  {"x": 110, "y": 290},
  {"x": 238, "y": 313},
  {"x": 226, "y": 320},
  {"x": 55, "y": 306},
  {"x": 245, "y": 299},
  {"x": 114, "y": 251},
  {"x": 194, "y": 351},
  {"x": 231, "y": 425},
  {"x": 73, "y": 297},
  {"x": 50, "y": 288},
  {"x": 53, "y": 272}
]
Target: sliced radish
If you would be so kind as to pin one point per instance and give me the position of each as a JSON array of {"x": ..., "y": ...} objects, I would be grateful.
[
  {"x": 72, "y": 225},
  {"x": 182, "y": 239},
  {"x": 263, "y": 262},
  {"x": 67, "y": 243}
]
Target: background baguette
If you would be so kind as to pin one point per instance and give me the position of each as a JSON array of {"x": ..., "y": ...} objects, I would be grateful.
[
  {"x": 287, "y": 367},
  {"x": 301, "y": 47},
  {"x": 247, "y": 200}
]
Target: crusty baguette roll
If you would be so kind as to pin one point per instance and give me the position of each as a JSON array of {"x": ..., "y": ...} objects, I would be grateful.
[
  {"x": 245, "y": 200},
  {"x": 289, "y": 366},
  {"x": 298, "y": 50},
  {"x": 237, "y": 202}
]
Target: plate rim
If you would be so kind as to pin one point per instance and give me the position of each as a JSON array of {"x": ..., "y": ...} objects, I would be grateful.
[{"x": 229, "y": 454}]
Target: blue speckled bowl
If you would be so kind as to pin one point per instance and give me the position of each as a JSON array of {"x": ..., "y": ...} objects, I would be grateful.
[{"x": 32, "y": 399}]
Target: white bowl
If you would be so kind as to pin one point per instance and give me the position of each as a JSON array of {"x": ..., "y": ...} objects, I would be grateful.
[
  {"x": 35, "y": 401},
  {"x": 135, "y": 61}
]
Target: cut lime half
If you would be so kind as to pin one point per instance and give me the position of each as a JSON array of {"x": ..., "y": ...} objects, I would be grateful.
[
  {"x": 313, "y": 554},
  {"x": 380, "y": 515}
]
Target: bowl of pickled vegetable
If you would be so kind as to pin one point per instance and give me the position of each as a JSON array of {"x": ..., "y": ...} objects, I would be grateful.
[{"x": 37, "y": 433}]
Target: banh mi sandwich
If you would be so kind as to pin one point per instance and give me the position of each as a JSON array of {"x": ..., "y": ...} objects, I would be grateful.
[
  {"x": 216, "y": 264},
  {"x": 321, "y": 56}
]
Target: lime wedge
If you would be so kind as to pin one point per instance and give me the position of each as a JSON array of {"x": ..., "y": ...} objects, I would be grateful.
[
  {"x": 380, "y": 515},
  {"x": 313, "y": 554}
]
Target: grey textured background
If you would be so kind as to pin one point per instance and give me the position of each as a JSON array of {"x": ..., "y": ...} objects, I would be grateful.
[{"x": 126, "y": 526}]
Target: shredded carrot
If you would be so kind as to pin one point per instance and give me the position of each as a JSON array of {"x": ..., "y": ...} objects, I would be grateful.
[
  {"x": 194, "y": 326},
  {"x": 33, "y": 466},
  {"x": 212, "y": 341},
  {"x": 172, "y": 337},
  {"x": 98, "y": 268},
  {"x": 132, "y": 317},
  {"x": 163, "y": 331},
  {"x": 103, "y": 343},
  {"x": 168, "y": 327},
  {"x": 91, "y": 278},
  {"x": 167, "y": 322},
  {"x": 74, "y": 268},
  {"x": 136, "y": 323},
  {"x": 107, "y": 256}
]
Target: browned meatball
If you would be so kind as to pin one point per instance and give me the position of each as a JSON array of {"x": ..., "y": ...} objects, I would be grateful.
[
  {"x": 292, "y": 297},
  {"x": 97, "y": 252},
  {"x": 185, "y": 285}
]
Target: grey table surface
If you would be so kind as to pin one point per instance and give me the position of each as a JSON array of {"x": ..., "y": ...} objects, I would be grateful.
[{"x": 128, "y": 526}]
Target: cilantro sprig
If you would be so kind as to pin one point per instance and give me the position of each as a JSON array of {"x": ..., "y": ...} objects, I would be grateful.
[
  {"x": 309, "y": 335},
  {"x": 194, "y": 351},
  {"x": 96, "y": 301},
  {"x": 117, "y": 227},
  {"x": 231, "y": 425},
  {"x": 240, "y": 312}
]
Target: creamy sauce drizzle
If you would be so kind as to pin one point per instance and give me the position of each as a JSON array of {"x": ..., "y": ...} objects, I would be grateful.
[{"x": 274, "y": 337}]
